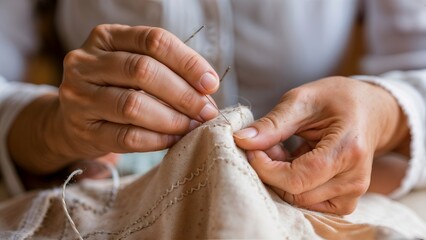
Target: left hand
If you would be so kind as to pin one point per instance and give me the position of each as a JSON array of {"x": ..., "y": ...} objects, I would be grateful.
[{"x": 344, "y": 123}]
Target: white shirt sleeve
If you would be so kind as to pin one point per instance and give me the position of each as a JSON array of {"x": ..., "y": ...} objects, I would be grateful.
[
  {"x": 13, "y": 98},
  {"x": 17, "y": 41},
  {"x": 409, "y": 89}
]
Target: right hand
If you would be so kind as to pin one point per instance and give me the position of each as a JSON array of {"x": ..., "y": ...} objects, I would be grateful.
[
  {"x": 344, "y": 122},
  {"x": 132, "y": 89}
]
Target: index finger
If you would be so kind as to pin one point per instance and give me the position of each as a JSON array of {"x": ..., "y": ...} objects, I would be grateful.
[{"x": 162, "y": 46}]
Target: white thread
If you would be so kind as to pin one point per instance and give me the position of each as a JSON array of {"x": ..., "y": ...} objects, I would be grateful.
[
  {"x": 115, "y": 176},
  {"x": 64, "y": 205},
  {"x": 115, "y": 185}
]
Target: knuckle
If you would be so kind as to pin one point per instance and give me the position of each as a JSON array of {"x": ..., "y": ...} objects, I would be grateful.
[
  {"x": 299, "y": 100},
  {"x": 188, "y": 99},
  {"x": 99, "y": 30},
  {"x": 295, "y": 95},
  {"x": 100, "y": 33},
  {"x": 140, "y": 68},
  {"x": 129, "y": 138},
  {"x": 132, "y": 104},
  {"x": 358, "y": 150},
  {"x": 72, "y": 61},
  {"x": 75, "y": 67},
  {"x": 157, "y": 40},
  {"x": 191, "y": 63},
  {"x": 360, "y": 187}
]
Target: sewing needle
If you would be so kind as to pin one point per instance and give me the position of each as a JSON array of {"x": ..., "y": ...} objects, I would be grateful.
[
  {"x": 223, "y": 76},
  {"x": 220, "y": 80}
]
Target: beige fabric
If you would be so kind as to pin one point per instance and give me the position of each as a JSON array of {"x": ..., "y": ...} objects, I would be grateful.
[{"x": 204, "y": 188}]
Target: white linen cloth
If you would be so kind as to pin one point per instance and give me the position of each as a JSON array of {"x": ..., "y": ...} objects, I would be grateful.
[{"x": 204, "y": 188}]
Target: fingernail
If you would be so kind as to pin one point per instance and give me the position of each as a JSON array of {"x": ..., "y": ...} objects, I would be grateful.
[
  {"x": 193, "y": 125},
  {"x": 208, "y": 112},
  {"x": 209, "y": 82},
  {"x": 250, "y": 155},
  {"x": 246, "y": 133}
]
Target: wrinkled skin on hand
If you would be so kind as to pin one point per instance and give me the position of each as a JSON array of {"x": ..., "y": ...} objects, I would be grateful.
[
  {"x": 127, "y": 89},
  {"x": 343, "y": 123},
  {"x": 134, "y": 89}
]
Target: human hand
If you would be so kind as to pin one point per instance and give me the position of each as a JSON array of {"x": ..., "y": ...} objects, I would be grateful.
[
  {"x": 133, "y": 89},
  {"x": 126, "y": 89},
  {"x": 344, "y": 123}
]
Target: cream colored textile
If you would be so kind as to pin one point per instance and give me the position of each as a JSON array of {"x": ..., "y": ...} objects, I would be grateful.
[{"x": 204, "y": 188}]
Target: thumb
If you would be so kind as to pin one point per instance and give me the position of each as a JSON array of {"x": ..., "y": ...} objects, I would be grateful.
[{"x": 278, "y": 125}]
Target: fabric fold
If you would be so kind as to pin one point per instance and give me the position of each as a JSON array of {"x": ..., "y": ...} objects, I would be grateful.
[{"x": 203, "y": 188}]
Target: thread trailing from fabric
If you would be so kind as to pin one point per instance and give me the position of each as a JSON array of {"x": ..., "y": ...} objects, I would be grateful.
[
  {"x": 64, "y": 204},
  {"x": 115, "y": 185},
  {"x": 115, "y": 176}
]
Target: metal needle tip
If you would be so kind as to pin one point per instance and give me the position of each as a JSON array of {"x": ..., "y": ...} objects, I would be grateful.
[
  {"x": 224, "y": 74},
  {"x": 195, "y": 33}
]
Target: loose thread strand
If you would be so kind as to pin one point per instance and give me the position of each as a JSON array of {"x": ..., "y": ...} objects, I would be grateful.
[
  {"x": 115, "y": 186},
  {"x": 115, "y": 176},
  {"x": 64, "y": 205}
]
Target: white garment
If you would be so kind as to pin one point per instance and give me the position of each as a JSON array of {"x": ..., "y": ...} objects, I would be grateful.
[
  {"x": 13, "y": 98},
  {"x": 274, "y": 46},
  {"x": 17, "y": 41}
]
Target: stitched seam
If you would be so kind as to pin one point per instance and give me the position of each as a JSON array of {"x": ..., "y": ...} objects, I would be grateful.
[
  {"x": 174, "y": 186},
  {"x": 175, "y": 200},
  {"x": 23, "y": 225}
]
